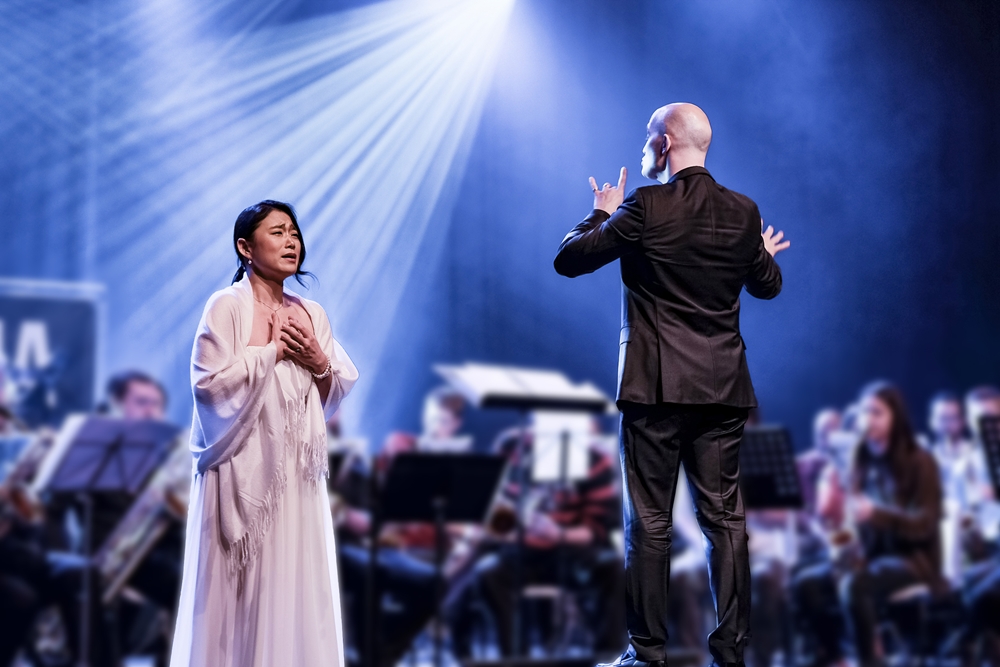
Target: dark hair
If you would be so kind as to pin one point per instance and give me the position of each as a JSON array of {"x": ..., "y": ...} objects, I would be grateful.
[
  {"x": 449, "y": 399},
  {"x": 945, "y": 396},
  {"x": 983, "y": 393},
  {"x": 902, "y": 442},
  {"x": 118, "y": 385},
  {"x": 247, "y": 223}
]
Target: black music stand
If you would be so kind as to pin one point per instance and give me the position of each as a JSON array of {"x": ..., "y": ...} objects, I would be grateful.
[
  {"x": 769, "y": 480},
  {"x": 107, "y": 455},
  {"x": 989, "y": 428},
  {"x": 768, "y": 477},
  {"x": 440, "y": 489},
  {"x": 524, "y": 390}
]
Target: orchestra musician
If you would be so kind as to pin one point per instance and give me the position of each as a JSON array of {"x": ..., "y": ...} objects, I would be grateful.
[
  {"x": 570, "y": 528},
  {"x": 31, "y": 581},
  {"x": 37, "y": 569},
  {"x": 892, "y": 505},
  {"x": 980, "y": 578},
  {"x": 405, "y": 570}
]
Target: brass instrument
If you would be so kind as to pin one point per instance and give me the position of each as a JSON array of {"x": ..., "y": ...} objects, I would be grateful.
[
  {"x": 19, "y": 502},
  {"x": 163, "y": 501},
  {"x": 842, "y": 535}
]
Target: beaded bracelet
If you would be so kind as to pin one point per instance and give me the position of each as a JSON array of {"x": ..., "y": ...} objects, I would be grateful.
[{"x": 326, "y": 373}]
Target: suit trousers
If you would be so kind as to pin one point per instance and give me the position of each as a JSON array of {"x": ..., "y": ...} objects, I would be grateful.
[{"x": 655, "y": 441}]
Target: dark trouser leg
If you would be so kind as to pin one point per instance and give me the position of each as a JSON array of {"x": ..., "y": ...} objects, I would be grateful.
[
  {"x": 460, "y": 613},
  {"x": 353, "y": 564},
  {"x": 981, "y": 593},
  {"x": 407, "y": 598},
  {"x": 603, "y": 573},
  {"x": 711, "y": 462},
  {"x": 51, "y": 584},
  {"x": 767, "y": 611},
  {"x": 816, "y": 607},
  {"x": 496, "y": 582},
  {"x": 864, "y": 592},
  {"x": 651, "y": 442},
  {"x": 411, "y": 585},
  {"x": 18, "y": 606},
  {"x": 608, "y": 621}
]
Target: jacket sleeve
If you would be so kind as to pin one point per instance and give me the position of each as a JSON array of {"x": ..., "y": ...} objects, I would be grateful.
[
  {"x": 920, "y": 518},
  {"x": 229, "y": 382},
  {"x": 763, "y": 281},
  {"x": 345, "y": 374},
  {"x": 601, "y": 239}
]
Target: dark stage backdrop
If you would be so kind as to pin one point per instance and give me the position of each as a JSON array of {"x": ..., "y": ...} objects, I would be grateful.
[{"x": 868, "y": 131}]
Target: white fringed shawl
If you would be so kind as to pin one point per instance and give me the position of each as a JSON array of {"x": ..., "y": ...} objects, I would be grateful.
[{"x": 241, "y": 422}]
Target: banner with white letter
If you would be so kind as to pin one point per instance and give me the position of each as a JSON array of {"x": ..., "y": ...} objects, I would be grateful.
[{"x": 49, "y": 338}]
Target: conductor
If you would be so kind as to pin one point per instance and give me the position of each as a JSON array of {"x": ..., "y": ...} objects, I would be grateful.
[{"x": 687, "y": 248}]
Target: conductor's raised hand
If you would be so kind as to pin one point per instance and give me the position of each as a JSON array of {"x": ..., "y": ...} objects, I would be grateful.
[
  {"x": 610, "y": 197},
  {"x": 772, "y": 241}
]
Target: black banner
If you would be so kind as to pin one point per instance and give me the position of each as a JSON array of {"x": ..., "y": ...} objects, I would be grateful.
[{"x": 48, "y": 348}]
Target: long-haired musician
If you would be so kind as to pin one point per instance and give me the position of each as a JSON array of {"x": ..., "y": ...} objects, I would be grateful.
[{"x": 893, "y": 502}]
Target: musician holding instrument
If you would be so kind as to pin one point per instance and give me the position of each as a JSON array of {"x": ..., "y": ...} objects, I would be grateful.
[
  {"x": 29, "y": 580},
  {"x": 981, "y": 576},
  {"x": 405, "y": 571},
  {"x": 892, "y": 505},
  {"x": 564, "y": 528}
]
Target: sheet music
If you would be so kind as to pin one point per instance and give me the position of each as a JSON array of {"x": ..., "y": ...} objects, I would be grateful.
[
  {"x": 550, "y": 427},
  {"x": 478, "y": 382},
  {"x": 71, "y": 426},
  {"x": 458, "y": 444}
]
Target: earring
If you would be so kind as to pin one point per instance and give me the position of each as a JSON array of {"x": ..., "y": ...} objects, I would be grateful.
[{"x": 249, "y": 262}]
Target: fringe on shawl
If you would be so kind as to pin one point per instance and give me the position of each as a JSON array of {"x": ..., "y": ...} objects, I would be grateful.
[
  {"x": 314, "y": 467},
  {"x": 312, "y": 456},
  {"x": 245, "y": 549}
]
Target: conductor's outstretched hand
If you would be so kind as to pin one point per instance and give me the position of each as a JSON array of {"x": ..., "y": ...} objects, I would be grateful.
[
  {"x": 772, "y": 241},
  {"x": 610, "y": 197}
]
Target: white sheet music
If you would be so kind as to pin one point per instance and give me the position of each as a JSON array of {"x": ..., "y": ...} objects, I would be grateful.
[
  {"x": 70, "y": 427},
  {"x": 478, "y": 382},
  {"x": 550, "y": 428}
]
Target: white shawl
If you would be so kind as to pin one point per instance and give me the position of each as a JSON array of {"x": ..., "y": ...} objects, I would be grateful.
[{"x": 241, "y": 422}]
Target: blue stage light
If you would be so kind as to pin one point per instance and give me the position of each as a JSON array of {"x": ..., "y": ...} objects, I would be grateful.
[{"x": 357, "y": 118}]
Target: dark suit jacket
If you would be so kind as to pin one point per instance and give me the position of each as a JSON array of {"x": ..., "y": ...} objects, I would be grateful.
[{"x": 687, "y": 248}]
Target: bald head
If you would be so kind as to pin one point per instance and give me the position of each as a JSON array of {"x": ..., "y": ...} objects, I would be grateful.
[
  {"x": 678, "y": 136},
  {"x": 686, "y": 125}
]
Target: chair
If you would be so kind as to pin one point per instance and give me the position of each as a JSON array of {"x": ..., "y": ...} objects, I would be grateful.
[
  {"x": 564, "y": 617},
  {"x": 920, "y": 623}
]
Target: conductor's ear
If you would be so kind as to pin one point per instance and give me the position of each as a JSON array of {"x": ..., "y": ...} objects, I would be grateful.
[{"x": 665, "y": 146}]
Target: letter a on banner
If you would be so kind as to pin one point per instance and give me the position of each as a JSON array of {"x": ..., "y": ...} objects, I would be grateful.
[{"x": 33, "y": 346}]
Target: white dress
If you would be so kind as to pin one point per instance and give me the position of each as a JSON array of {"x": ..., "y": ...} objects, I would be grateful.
[{"x": 283, "y": 606}]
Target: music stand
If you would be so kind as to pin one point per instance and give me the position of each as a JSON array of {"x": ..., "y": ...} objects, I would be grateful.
[
  {"x": 561, "y": 448},
  {"x": 440, "y": 489},
  {"x": 768, "y": 479},
  {"x": 989, "y": 428},
  {"x": 525, "y": 390},
  {"x": 102, "y": 455},
  {"x": 489, "y": 386}
]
